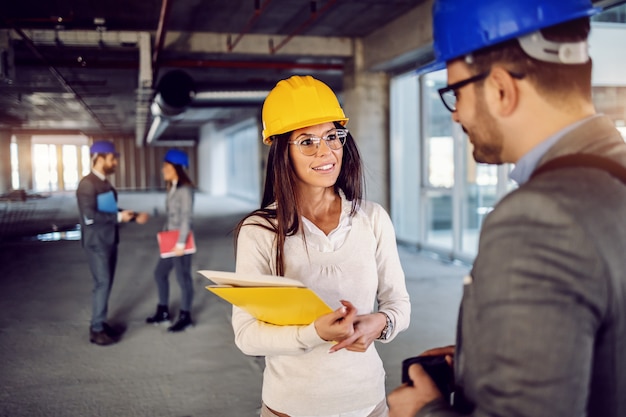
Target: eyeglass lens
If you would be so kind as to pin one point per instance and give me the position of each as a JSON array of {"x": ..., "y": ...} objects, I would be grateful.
[
  {"x": 449, "y": 100},
  {"x": 448, "y": 93},
  {"x": 335, "y": 139}
]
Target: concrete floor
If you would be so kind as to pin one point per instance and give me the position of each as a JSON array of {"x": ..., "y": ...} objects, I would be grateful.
[{"x": 49, "y": 368}]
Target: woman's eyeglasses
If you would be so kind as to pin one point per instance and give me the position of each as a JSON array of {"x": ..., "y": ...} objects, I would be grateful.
[{"x": 309, "y": 144}]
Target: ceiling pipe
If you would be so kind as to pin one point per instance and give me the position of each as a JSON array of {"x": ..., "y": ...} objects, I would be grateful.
[
  {"x": 158, "y": 126},
  {"x": 258, "y": 9},
  {"x": 160, "y": 37},
  {"x": 160, "y": 121},
  {"x": 190, "y": 63},
  {"x": 174, "y": 94},
  {"x": 314, "y": 15},
  {"x": 144, "y": 90}
]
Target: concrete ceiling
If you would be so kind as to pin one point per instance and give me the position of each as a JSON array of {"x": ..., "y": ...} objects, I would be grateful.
[
  {"x": 94, "y": 67},
  {"x": 69, "y": 66}
]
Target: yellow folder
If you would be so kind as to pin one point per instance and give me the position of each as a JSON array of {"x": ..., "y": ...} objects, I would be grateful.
[{"x": 276, "y": 300}]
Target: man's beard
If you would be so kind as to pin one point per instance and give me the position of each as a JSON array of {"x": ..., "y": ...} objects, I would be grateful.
[
  {"x": 486, "y": 138},
  {"x": 108, "y": 170}
]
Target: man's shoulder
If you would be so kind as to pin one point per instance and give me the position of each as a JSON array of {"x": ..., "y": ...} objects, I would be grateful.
[{"x": 90, "y": 177}]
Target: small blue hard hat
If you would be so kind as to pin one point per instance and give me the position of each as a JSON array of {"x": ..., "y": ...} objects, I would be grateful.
[
  {"x": 103, "y": 146},
  {"x": 461, "y": 27},
  {"x": 177, "y": 157}
]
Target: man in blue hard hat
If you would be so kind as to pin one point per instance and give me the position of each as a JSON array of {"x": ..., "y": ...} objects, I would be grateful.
[
  {"x": 99, "y": 219},
  {"x": 542, "y": 324}
]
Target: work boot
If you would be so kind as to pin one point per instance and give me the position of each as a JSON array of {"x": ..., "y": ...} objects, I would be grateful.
[
  {"x": 100, "y": 338},
  {"x": 184, "y": 321},
  {"x": 162, "y": 316},
  {"x": 113, "y": 332}
]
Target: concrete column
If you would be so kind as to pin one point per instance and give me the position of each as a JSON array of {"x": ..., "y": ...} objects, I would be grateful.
[
  {"x": 366, "y": 102},
  {"x": 5, "y": 161},
  {"x": 25, "y": 160}
]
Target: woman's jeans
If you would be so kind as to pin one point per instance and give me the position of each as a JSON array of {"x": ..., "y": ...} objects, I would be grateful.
[{"x": 182, "y": 267}]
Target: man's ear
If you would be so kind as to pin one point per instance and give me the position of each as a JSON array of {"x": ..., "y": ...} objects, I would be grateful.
[{"x": 504, "y": 92}]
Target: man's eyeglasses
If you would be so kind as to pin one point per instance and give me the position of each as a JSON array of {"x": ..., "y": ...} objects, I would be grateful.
[
  {"x": 448, "y": 93},
  {"x": 309, "y": 144}
]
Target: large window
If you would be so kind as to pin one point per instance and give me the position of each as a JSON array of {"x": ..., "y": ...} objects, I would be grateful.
[
  {"x": 458, "y": 193},
  {"x": 58, "y": 162},
  {"x": 45, "y": 167},
  {"x": 439, "y": 194}
]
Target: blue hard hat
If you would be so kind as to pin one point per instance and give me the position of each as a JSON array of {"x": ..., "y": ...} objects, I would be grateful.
[
  {"x": 464, "y": 26},
  {"x": 103, "y": 146},
  {"x": 177, "y": 157}
]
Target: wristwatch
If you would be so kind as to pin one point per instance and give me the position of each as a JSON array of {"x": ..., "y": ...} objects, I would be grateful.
[{"x": 388, "y": 329}]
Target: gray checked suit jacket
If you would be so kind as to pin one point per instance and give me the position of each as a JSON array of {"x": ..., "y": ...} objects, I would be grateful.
[{"x": 542, "y": 325}]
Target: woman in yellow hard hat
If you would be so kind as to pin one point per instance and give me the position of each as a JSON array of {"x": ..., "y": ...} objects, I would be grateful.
[{"x": 314, "y": 226}]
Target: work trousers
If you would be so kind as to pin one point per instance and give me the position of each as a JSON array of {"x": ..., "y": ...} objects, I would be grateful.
[
  {"x": 381, "y": 410},
  {"x": 182, "y": 268},
  {"x": 102, "y": 262}
]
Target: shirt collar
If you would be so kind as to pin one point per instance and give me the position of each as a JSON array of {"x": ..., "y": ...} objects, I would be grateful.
[
  {"x": 99, "y": 175},
  {"x": 527, "y": 163}
]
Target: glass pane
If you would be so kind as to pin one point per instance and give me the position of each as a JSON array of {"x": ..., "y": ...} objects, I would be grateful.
[
  {"x": 480, "y": 197},
  {"x": 441, "y": 161},
  {"x": 438, "y": 143},
  {"x": 45, "y": 163},
  {"x": 405, "y": 165},
  {"x": 614, "y": 15},
  {"x": 611, "y": 101},
  {"x": 15, "y": 173},
  {"x": 70, "y": 167},
  {"x": 438, "y": 159},
  {"x": 438, "y": 216},
  {"x": 86, "y": 160}
]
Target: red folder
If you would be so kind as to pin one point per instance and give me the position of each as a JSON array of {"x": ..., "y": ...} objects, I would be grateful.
[{"x": 167, "y": 240}]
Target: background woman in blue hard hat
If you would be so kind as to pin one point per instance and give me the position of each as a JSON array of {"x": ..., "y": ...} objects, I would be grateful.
[
  {"x": 314, "y": 226},
  {"x": 179, "y": 207}
]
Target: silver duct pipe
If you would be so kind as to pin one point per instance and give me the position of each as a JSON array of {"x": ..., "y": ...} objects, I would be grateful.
[{"x": 174, "y": 93}]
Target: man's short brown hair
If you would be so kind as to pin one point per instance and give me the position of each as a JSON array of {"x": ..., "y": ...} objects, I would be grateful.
[{"x": 554, "y": 81}]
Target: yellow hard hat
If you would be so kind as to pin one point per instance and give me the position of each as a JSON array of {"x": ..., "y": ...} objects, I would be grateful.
[{"x": 298, "y": 102}]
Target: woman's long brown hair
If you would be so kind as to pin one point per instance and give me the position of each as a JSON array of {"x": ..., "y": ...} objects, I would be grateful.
[
  {"x": 280, "y": 187},
  {"x": 183, "y": 178}
]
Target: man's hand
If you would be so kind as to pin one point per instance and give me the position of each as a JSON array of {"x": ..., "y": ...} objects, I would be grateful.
[
  {"x": 127, "y": 215},
  {"x": 447, "y": 351},
  {"x": 406, "y": 401}
]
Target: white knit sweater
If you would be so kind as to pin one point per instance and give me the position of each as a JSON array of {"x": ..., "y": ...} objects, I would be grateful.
[{"x": 301, "y": 377}]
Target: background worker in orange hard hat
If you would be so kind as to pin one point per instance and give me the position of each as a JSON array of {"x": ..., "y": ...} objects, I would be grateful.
[
  {"x": 314, "y": 226},
  {"x": 542, "y": 325}
]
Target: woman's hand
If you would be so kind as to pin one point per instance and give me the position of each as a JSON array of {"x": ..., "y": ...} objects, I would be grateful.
[
  {"x": 367, "y": 328},
  {"x": 142, "y": 217},
  {"x": 337, "y": 325}
]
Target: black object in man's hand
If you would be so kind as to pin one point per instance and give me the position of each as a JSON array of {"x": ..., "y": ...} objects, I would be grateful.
[{"x": 437, "y": 368}]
